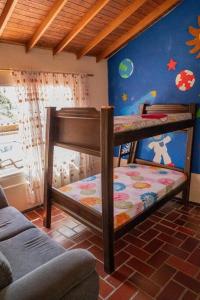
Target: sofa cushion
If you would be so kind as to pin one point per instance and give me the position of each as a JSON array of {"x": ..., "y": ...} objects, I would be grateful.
[
  {"x": 12, "y": 222},
  {"x": 5, "y": 271},
  {"x": 28, "y": 250}
]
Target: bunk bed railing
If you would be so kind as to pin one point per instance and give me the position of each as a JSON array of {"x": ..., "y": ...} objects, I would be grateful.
[{"x": 78, "y": 129}]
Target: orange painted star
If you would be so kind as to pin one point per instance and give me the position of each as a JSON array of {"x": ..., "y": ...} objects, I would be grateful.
[{"x": 171, "y": 64}]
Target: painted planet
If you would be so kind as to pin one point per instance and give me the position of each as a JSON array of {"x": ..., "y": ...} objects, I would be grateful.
[
  {"x": 185, "y": 80},
  {"x": 126, "y": 68}
]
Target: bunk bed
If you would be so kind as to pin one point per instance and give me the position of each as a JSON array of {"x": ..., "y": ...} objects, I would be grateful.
[{"x": 96, "y": 133}]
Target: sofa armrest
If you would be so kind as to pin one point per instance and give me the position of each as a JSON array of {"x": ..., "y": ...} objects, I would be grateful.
[
  {"x": 3, "y": 199},
  {"x": 53, "y": 280}
]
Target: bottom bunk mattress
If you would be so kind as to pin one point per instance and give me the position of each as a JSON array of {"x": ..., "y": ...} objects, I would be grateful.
[{"x": 136, "y": 187}]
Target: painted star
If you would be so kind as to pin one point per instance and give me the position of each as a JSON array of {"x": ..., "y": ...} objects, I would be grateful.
[
  {"x": 124, "y": 97},
  {"x": 171, "y": 64}
]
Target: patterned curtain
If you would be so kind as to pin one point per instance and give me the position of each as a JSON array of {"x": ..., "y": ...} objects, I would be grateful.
[{"x": 35, "y": 91}]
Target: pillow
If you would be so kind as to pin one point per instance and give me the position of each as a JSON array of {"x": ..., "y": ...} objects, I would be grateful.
[{"x": 5, "y": 271}]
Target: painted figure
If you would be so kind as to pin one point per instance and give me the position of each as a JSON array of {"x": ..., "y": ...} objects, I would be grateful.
[{"x": 158, "y": 145}]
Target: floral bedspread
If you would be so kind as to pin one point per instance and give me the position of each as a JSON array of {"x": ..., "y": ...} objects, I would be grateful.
[
  {"x": 136, "y": 187},
  {"x": 125, "y": 123}
]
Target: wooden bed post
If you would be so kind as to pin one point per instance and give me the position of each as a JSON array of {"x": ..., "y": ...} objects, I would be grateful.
[
  {"x": 107, "y": 144},
  {"x": 48, "y": 165},
  {"x": 188, "y": 162}
]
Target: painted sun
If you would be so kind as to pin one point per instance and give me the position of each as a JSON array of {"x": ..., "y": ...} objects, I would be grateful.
[{"x": 195, "y": 32}]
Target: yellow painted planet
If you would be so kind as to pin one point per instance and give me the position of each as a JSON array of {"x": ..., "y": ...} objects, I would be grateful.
[{"x": 124, "y": 97}]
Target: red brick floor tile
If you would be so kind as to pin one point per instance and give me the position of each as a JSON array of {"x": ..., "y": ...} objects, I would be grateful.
[
  {"x": 145, "y": 225},
  {"x": 153, "y": 246},
  {"x": 149, "y": 234},
  {"x": 66, "y": 231},
  {"x": 63, "y": 241},
  {"x": 159, "y": 214},
  {"x": 164, "y": 229},
  {"x": 175, "y": 251},
  {"x": 138, "y": 252},
  {"x": 154, "y": 218},
  {"x": 119, "y": 276},
  {"x": 121, "y": 257},
  {"x": 79, "y": 228},
  {"x": 194, "y": 227},
  {"x": 58, "y": 217},
  {"x": 32, "y": 215},
  {"x": 172, "y": 216},
  {"x": 141, "y": 296},
  {"x": 82, "y": 236},
  {"x": 100, "y": 269},
  {"x": 145, "y": 284},
  {"x": 175, "y": 262},
  {"x": 169, "y": 239},
  {"x": 180, "y": 222},
  {"x": 140, "y": 266},
  {"x": 195, "y": 258},
  {"x": 104, "y": 288},
  {"x": 120, "y": 244},
  {"x": 163, "y": 275},
  {"x": 188, "y": 281},
  {"x": 190, "y": 244},
  {"x": 196, "y": 211},
  {"x": 168, "y": 224},
  {"x": 158, "y": 259},
  {"x": 189, "y": 296},
  {"x": 134, "y": 240},
  {"x": 135, "y": 232},
  {"x": 96, "y": 240},
  {"x": 70, "y": 223},
  {"x": 183, "y": 266},
  {"x": 173, "y": 290},
  {"x": 97, "y": 252},
  {"x": 40, "y": 211},
  {"x": 186, "y": 230},
  {"x": 38, "y": 223},
  {"x": 181, "y": 236},
  {"x": 84, "y": 245},
  {"x": 192, "y": 219},
  {"x": 125, "y": 292}
]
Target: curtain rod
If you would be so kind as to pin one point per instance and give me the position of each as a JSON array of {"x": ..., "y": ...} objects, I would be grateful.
[{"x": 88, "y": 74}]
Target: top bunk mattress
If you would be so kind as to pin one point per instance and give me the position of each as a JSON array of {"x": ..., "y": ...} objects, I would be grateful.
[{"x": 126, "y": 123}]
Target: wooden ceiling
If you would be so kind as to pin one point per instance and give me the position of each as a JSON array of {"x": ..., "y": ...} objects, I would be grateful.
[{"x": 84, "y": 27}]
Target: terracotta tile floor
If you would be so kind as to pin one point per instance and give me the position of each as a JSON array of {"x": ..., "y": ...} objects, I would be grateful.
[{"x": 158, "y": 259}]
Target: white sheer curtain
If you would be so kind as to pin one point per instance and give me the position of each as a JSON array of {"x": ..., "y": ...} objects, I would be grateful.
[{"x": 35, "y": 91}]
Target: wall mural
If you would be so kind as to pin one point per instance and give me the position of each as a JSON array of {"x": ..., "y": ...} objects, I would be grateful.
[
  {"x": 164, "y": 71},
  {"x": 195, "y": 32}
]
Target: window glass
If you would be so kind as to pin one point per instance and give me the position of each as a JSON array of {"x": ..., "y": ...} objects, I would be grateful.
[{"x": 10, "y": 145}]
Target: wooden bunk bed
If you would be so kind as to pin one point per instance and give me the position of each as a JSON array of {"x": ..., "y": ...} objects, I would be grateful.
[{"x": 94, "y": 132}]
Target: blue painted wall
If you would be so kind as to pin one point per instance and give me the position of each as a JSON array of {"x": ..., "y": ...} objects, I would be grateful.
[{"x": 152, "y": 82}]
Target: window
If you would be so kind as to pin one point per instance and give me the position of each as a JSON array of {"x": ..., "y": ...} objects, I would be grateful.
[{"x": 10, "y": 146}]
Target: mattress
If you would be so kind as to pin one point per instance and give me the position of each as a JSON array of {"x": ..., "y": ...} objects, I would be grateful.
[
  {"x": 126, "y": 123},
  {"x": 136, "y": 187}
]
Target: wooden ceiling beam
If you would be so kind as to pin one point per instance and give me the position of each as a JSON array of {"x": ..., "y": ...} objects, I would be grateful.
[
  {"x": 92, "y": 12},
  {"x": 52, "y": 14},
  {"x": 6, "y": 14},
  {"x": 140, "y": 26},
  {"x": 127, "y": 12}
]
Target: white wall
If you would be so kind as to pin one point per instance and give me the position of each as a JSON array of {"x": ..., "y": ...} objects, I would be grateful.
[{"x": 15, "y": 57}]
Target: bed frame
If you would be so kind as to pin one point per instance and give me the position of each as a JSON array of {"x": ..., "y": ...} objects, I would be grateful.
[{"x": 89, "y": 131}]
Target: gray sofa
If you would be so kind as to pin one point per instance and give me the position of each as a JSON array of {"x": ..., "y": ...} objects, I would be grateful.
[{"x": 33, "y": 266}]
